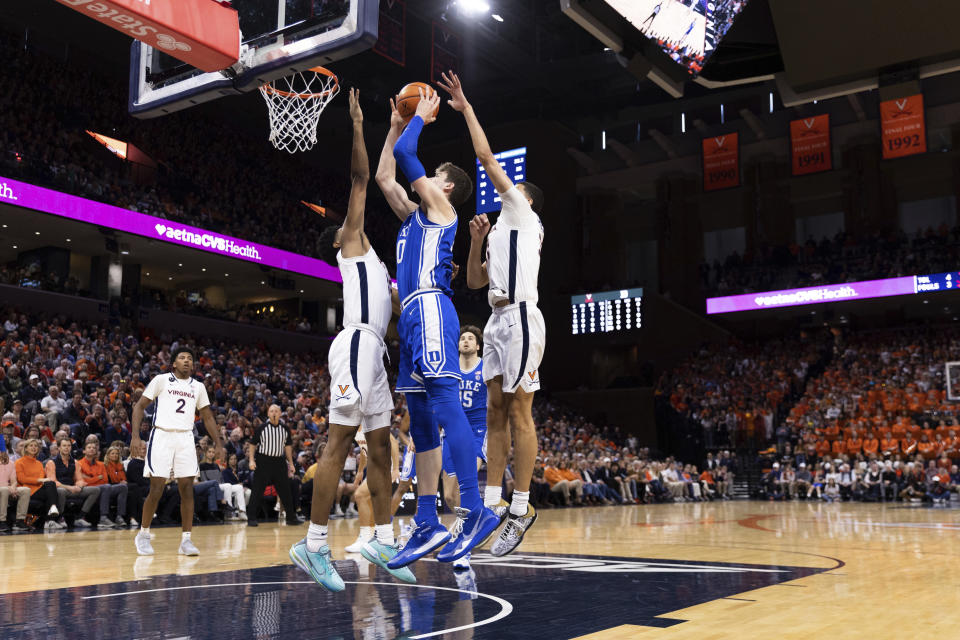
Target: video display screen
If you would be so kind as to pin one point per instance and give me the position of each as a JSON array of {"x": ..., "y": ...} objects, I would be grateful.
[
  {"x": 687, "y": 30},
  {"x": 514, "y": 162},
  {"x": 607, "y": 312}
]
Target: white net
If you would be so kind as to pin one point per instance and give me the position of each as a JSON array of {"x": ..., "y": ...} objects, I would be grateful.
[{"x": 295, "y": 104}]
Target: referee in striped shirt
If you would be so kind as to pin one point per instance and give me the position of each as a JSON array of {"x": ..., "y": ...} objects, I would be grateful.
[{"x": 271, "y": 444}]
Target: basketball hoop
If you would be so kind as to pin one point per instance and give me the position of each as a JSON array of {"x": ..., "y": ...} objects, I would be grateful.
[{"x": 295, "y": 104}]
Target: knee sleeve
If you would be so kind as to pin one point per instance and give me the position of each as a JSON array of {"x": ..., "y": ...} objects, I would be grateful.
[{"x": 423, "y": 426}]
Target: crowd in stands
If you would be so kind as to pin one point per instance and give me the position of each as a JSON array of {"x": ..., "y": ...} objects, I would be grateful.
[
  {"x": 843, "y": 258},
  {"x": 67, "y": 392},
  {"x": 736, "y": 391},
  {"x": 873, "y": 423}
]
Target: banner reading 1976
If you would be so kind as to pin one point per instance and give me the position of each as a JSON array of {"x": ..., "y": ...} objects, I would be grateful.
[
  {"x": 721, "y": 162},
  {"x": 810, "y": 144},
  {"x": 904, "y": 132}
]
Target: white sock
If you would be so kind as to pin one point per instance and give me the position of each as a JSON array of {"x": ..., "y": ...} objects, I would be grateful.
[
  {"x": 384, "y": 533},
  {"x": 185, "y": 536},
  {"x": 518, "y": 504},
  {"x": 316, "y": 537},
  {"x": 145, "y": 531},
  {"x": 366, "y": 533},
  {"x": 492, "y": 496}
]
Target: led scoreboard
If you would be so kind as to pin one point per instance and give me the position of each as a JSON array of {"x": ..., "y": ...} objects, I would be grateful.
[
  {"x": 607, "y": 312},
  {"x": 514, "y": 162}
]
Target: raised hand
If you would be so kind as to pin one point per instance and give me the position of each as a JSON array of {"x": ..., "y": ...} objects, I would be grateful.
[
  {"x": 451, "y": 84},
  {"x": 479, "y": 227},
  {"x": 355, "y": 113},
  {"x": 454, "y": 270},
  {"x": 429, "y": 101},
  {"x": 396, "y": 120}
]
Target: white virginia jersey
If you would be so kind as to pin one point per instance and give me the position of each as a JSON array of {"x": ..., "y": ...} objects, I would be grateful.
[
  {"x": 513, "y": 251},
  {"x": 178, "y": 401},
  {"x": 366, "y": 292}
]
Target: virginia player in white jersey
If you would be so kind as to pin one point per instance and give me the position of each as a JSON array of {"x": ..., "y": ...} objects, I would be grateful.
[
  {"x": 359, "y": 389},
  {"x": 171, "y": 451},
  {"x": 515, "y": 335},
  {"x": 429, "y": 368}
]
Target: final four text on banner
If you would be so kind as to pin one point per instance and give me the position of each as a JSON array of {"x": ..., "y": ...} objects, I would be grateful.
[
  {"x": 202, "y": 33},
  {"x": 904, "y": 131},
  {"x": 810, "y": 144},
  {"x": 721, "y": 162}
]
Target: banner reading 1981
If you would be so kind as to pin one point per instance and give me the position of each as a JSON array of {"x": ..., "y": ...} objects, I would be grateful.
[
  {"x": 810, "y": 144},
  {"x": 904, "y": 132},
  {"x": 721, "y": 162}
]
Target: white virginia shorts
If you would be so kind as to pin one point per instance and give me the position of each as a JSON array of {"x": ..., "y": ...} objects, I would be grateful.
[
  {"x": 359, "y": 388},
  {"x": 513, "y": 342},
  {"x": 171, "y": 452}
]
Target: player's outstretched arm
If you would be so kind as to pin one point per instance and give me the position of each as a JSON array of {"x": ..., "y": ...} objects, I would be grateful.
[
  {"x": 395, "y": 194},
  {"x": 439, "y": 209},
  {"x": 477, "y": 277},
  {"x": 458, "y": 101},
  {"x": 351, "y": 240}
]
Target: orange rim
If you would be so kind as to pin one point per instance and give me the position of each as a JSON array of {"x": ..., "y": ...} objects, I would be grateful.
[{"x": 269, "y": 88}]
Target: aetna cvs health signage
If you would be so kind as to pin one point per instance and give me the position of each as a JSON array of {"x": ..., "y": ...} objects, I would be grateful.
[
  {"x": 721, "y": 162},
  {"x": 105, "y": 215},
  {"x": 810, "y": 144}
]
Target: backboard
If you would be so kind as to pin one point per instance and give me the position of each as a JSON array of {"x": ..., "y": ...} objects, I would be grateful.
[{"x": 278, "y": 38}]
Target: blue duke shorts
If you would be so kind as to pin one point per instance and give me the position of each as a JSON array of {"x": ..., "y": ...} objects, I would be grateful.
[{"x": 429, "y": 331}]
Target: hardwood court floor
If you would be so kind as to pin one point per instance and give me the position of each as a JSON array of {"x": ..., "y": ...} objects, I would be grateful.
[{"x": 863, "y": 570}]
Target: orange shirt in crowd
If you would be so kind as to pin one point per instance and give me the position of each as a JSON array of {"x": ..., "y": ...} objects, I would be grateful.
[
  {"x": 569, "y": 474},
  {"x": 927, "y": 449},
  {"x": 707, "y": 477},
  {"x": 899, "y": 430},
  {"x": 29, "y": 473},
  {"x": 838, "y": 447},
  {"x": 93, "y": 473},
  {"x": 115, "y": 472},
  {"x": 908, "y": 446},
  {"x": 871, "y": 446},
  {"x": 890, "y": 445},
  {"x": 552, "y": 475},
  {"x": 822, "y": 448},
  {"x": 854, "y": 445}
]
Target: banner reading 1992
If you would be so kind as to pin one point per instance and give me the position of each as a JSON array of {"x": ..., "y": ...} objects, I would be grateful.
[
  {"x": 904, "y": 132},
  {"x": 721, "y": 162},
  {"x": 810, "y": 144}
]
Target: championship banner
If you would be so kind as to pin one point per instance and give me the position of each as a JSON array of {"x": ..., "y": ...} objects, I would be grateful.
[
  {"x": 721, "y": 162},
  {"x": 810, "y": 145},
  {"x": 392, "y": 32},
  {"x": 904, "y": 132},
  {"x": 445, "y": 53}
]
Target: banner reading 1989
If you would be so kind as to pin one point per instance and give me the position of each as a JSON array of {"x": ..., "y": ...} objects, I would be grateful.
[
  {"x": 904, "y": 132},
  {"x": 810, "y": 144},
  {"x": 721, "y": 162}
]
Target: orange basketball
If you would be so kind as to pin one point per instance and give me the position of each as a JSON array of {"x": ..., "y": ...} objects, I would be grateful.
[{"x": 409, "y": 98}]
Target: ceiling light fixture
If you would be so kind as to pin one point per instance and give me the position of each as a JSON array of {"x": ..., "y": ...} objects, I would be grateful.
[
  {"x": 497, "y": 17},
  {"x": 473, "y": 6}
]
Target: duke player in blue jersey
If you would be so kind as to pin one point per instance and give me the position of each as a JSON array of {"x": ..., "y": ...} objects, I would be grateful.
[
  {"x": 429, "y": 366},
  {"x": 473, "y": 399}
]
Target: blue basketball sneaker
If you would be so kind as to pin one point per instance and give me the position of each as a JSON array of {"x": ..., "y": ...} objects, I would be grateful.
[
  {"x": 477, "y": 527},
  {"x": 319, "y": 565},
  {"x": 425, "y": 538},
  {"x": 380, "y": 554}
]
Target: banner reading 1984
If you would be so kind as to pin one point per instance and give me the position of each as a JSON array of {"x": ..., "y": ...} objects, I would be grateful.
[
  {"x": 904, "y": 132},
  {"x": 810, "y": 145},
  {"x": 721, "y": 162}
]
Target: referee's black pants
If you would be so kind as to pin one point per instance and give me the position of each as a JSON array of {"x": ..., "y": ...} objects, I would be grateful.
[{"x": 271, "y": 470}]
